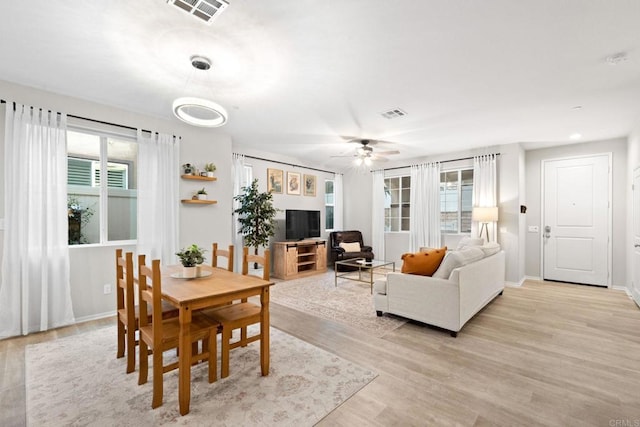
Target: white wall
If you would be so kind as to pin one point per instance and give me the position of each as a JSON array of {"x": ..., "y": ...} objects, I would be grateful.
[
  {"x": 92, "y": 266},
  {"x": 619, "y": 197},
  {"x": 286, "y": 201},
  {"x": 633, "y": 161},
  {"x": 510, "y": 180}
]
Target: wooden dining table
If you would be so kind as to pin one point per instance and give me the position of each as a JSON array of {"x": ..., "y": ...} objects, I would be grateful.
[{"x": 220, "y": 287}]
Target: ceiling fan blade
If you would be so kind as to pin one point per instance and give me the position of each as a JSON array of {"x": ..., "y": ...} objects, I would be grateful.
[{"x": 387, "y": 153}]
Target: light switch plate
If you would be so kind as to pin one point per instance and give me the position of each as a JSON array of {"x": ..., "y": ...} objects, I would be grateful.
[{"x": 534, "y": 229}]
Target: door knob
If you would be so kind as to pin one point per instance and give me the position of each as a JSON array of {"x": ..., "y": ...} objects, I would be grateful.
[
  {"x": 636, "y": 246},
  {"x": 547, "y": 231}
]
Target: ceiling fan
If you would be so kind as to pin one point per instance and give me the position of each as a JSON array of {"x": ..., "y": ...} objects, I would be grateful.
[{"x": 365, "y": 154}]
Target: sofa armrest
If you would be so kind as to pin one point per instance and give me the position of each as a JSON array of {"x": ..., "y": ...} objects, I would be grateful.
[
  {"x": 366, "y": 249},
  {"x": 338, "y": 249}
]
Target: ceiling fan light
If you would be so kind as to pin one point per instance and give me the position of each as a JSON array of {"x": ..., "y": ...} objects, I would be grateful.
[
  {"x": 199, "y": 112},
  {"x": 358, "y": 161},
  {"x": 367, "y": 161}
]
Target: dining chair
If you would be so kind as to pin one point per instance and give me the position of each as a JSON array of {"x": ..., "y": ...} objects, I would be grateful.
[
  {"x": 240, "y": 315},
  {"x": 215, "y": 253},
  {"x": 128, "y": 312},
  {"x": 160, "y": 335}
]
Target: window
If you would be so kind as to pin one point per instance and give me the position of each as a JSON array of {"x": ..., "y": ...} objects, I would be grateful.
[
  {"x": 397, "y": 203},
  {"x": 101, "y": 212},
  {"x": 329, "y": 203},
  {"x": 456, "y": 198}
]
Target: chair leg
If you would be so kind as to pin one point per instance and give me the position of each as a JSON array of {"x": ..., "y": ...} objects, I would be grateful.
[
  {"x": 212, "y": 347},
  {"x": 243, "y": 336},
  {"x": 157, "y": 379},
  {"x": 144, "y": 363},
  {"x": 121, "y": 332},
  {"x": 224, "y": 352},
  {"x": 131, "y": 351}
]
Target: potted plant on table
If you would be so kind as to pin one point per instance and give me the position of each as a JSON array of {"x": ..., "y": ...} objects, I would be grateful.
[{"x": 190, "y": 258}]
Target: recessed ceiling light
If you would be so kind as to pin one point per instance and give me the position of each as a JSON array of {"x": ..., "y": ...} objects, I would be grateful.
[
  {"x": 575, "y": 136},
  {"x": 577, "y": 107}
]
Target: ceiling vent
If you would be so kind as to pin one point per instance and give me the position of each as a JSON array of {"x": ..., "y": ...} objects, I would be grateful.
[
  {"x": 394, "y": 113},
  {"x": 206, "y": 10}
]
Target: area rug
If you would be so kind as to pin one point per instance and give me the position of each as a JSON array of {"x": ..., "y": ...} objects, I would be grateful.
[
  {"x": 78, "y": 381},
  {"x": 350, "y": 303}
]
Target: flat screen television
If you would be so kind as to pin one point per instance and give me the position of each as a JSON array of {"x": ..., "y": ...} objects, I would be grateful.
[{"x": 301, "y": 224}]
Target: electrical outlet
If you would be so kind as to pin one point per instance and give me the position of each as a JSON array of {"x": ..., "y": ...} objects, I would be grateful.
[{"x": 107, "y": 289}]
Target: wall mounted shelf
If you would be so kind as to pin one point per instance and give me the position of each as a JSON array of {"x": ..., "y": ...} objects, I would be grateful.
[
  {"x": 199, "y": 202},
  {"x": 199, "y": 178}
]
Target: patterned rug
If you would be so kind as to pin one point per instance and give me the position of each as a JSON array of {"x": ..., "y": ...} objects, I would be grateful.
[
  {"x": 78, "y": 381},
  {"x": 350, "y": 303}
]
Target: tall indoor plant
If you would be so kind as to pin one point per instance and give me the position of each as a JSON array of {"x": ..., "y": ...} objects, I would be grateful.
[{"x": 256, "y": 215}]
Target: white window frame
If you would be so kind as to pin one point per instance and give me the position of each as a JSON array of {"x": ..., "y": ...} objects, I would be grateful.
[
  {"x": 459, "y": 196},
  {"x": 333, "y": 205},
  {"x": 400, "y": 203},
  {"x": 103, "y": 189}
]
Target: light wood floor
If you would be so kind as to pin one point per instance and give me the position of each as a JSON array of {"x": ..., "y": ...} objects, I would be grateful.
[{"x": 543, "y": 354}]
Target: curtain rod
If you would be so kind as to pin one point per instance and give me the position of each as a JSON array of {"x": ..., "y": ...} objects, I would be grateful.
[
  {"x": 2, "y": 101},
  {"x": 441, "y": 161},
  {"x": 284, "y": 163}
]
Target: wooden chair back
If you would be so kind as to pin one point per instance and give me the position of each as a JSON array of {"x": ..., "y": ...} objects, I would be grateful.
[
  {"x": 264, "y": 261},
  {"x": 150, "y": 300},
  {"x": 125, "y": 308},
  {"x": 215, "y": 253}
]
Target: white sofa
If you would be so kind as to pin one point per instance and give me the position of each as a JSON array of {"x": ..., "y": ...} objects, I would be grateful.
[{"x": 446, "y": 302}]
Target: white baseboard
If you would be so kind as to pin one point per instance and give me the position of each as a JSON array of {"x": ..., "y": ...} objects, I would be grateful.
[
  {"x": 535, "y": 278},
  {"x": 621, "y": 288},
  {"x": 94, "y": 317}
]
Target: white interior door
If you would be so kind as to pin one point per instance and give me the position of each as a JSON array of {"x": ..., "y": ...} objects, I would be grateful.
[
  {"x": 636, "y": 236},
  {"x": 576, "y": 220}
]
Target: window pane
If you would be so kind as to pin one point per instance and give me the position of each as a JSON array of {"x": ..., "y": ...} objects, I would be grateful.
[
  {"x": 405, "y": 224},
  {"x": 406, "y": 181},
  {"x": 83, "y": 200},
  {"x": 329, "y": 217},
  {"x": 122, "y": 190},
  {"x": 466, "y": 194}
]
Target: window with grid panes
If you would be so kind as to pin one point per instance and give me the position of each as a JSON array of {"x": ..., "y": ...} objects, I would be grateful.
[
  {"x": 456, "y": 199},
  {"x": 397, "y": 203}
]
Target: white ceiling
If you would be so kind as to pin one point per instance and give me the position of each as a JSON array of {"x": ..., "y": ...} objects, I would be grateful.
[{"x": 299, "y": 75}]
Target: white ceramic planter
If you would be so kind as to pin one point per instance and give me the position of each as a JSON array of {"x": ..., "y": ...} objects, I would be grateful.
[
  {"x": 189, "y": 272},
  {"x": 202, "y": 197},
  {"x": 210, "y": 174}
]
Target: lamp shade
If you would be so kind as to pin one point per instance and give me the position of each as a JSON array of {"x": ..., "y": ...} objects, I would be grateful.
[{"x": 485, "y": 214}]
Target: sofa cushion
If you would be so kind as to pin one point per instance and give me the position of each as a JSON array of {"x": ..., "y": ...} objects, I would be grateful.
[
  {"x": 423, "y": 263},
  {"x": 350, "y": 247},
  {"x": 490, "y": 248},
  {"x": 455, "y": 259},
  {"x": 467, "y": 241}
]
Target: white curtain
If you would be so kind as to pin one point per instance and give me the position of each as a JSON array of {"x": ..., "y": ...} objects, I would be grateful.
[
  {"x": 377, "y": 217},
  {"x": 485, "y": 190},
  {"x": 35, "y": 292},
  {"x": 338, "y": 221},
  {"x": 158, "y": 196},
  {"x": 239, "y": 181},
  {"x": 424, "y": 210}
]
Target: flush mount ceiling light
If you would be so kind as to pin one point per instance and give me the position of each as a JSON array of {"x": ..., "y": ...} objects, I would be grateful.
[{"x": 198, "y": 111}]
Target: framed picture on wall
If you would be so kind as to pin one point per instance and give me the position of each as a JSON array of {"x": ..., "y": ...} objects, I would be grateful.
[
  {"x": 310, "y": 185},
  {"x": 275, "y": 178},
  {"x": 293, "y": 183}
]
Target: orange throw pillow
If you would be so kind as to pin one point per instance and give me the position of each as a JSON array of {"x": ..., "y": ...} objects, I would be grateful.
[{"x": 423, "y": 263}]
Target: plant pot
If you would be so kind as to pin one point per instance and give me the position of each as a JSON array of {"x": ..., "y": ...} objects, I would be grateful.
[
  {"x": 210, "y": 174},
  {"x": 202, "y": 197},
  {"x": 198, "y": 270},
  {"x": 189, "y": 272}
]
